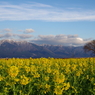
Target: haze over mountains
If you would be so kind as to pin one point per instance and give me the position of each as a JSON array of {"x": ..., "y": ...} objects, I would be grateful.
[{"x": 23, "y": 49}]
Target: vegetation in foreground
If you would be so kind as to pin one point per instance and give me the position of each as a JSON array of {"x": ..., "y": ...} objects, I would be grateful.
[{"x": 47, "y": 76}]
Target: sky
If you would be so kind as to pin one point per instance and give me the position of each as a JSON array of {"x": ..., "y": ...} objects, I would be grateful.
[{"x": 53, "y": 22}]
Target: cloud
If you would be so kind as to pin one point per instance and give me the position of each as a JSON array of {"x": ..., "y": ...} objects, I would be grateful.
[
  {"x": 29, "y": 31},
  {"x": 7, "y": 35},
  {"x": 7, "y": 30},
  {"x": 1, "y": 36},
  {"x": 24, "y": 36},
  {"x": 38, "y": 11},
  {"x": 15, "y": 36},
  {"x": 66, "y": 40}
]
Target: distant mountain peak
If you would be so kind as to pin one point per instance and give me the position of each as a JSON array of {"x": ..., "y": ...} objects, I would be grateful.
[{"x": 23, "y": 49}]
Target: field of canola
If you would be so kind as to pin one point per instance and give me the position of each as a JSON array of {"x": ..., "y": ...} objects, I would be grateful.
[{"x": 47, "y": 76}]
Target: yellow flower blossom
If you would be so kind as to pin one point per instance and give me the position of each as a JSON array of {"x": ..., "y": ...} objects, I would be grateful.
[
  {"x": 67, "y": 86},
  {"x": 24, "y": 80},
  {"x": 58, "y": 90},
  {"x": 48, "y": 70},
  {"x": 13, "y": 71},
  {"x": 27, "y": 69},
  {"x": 47, "y": 87},
  {"x": 1, "y": 78},
  {"x": 46, "y": 78},
  {"x": 16, "y": 79},
  {"x": 36, "y": 75}
]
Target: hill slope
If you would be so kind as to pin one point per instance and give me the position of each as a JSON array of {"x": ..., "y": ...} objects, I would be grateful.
[{"x": 22, "y": 49}]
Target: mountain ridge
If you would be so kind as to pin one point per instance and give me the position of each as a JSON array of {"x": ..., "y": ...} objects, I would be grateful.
[{"x": 24, "y": 49}]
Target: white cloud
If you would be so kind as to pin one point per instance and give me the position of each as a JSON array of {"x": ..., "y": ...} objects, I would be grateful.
[
  {"x": 15, "y": 36},
  {"x": 24, "y": 36},
  {"x": 67, "y": 40},
  {"x": 37, "y": 11},
  {"x": 7, "y": 35},
  {"x": 29, "y": 30},
  {"x": 1, "y": 35},
  {"x": 7, "y": 30},
  {"x": 20, "y": 30}
]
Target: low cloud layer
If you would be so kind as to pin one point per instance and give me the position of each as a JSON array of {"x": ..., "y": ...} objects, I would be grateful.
[
  {"x": 15, "y": 36},
  {"x": 38, "y": 11},
  {"x": 8, "y": 34},
  {"x": 66, "y": 40},
  {"x": 25, "y": 36}
]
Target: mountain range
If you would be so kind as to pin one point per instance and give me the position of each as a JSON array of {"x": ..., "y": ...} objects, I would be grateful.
[{"x": 23, "y": 49}]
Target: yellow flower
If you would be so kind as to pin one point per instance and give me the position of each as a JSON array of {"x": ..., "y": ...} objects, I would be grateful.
[
  {"x": 47, "y": 86},
  {"x": 13, "y": 71},
  {"x": 67, "y": 86},
  {"x": 48, "y": 70},
  {"x": 24, "y": 80},
  {"x": 33, "y": 69},
  {"x": 87, "y": 76},
  {"x": 74, "y": 89},
  {"x": 58, "y": 90},
  {"x": 16, "y": 79},
  {"x": 5, "y": 90},
  {"x": 36, "y": 75},
  {"x": 1, "y": 78},
  {"x": 59, "y": 78},
  {"x": 27, "y": 69},
  {"x": 1, "y": 67},
  {"x": 46, "y": 78},
  {"x": 78, "y": 73}
]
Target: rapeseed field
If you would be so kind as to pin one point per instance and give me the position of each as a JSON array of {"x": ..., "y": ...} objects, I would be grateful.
[{"x": 47, "y": 76}]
